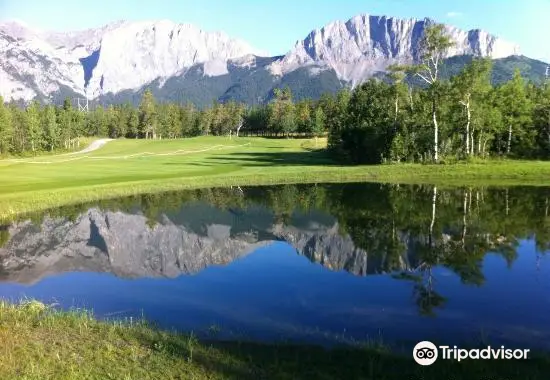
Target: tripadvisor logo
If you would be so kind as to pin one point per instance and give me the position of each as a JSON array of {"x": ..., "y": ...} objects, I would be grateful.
[{"x": 426, "y": 353}]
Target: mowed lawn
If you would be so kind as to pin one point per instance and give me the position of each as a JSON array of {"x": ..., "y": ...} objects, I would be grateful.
[{"x": 124, "y": 167}]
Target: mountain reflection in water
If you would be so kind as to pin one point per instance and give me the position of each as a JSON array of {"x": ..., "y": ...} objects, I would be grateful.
[{"x": 446, "y": 264}]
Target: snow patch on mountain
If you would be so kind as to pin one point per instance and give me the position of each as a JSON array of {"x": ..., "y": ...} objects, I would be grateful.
[
  {"x": 248, "y": 61},
  {"x": 215, "y": 67}
]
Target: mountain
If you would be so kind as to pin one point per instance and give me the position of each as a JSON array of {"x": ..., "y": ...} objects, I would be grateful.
[
  {"x": 364, "y": 45},
  {"x": 181, "y": 62},
  {"x": 120, "y": 56},
  {"x": 197, "y": 236}
]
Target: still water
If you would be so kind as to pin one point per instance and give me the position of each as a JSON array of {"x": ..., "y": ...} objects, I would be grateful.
[{"x": 316, "y": 263}]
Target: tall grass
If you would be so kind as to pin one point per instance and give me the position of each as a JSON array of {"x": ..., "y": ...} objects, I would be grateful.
[{"x": 40, "y": 342}]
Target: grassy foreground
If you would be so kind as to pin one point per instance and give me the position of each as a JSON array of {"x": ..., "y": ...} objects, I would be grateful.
[
  {"x": 127, "y": 167},
  {"x": 41, "y": 343}
]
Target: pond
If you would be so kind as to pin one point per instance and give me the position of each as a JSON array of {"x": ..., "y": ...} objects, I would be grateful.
[{"x": 311, "y": 263}]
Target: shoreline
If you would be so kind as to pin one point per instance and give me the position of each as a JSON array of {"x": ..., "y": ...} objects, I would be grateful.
[
  {"x": 40, "y": 342},
  {"x": 155, "y": 166},
  {"x": 457, "y": 175}
]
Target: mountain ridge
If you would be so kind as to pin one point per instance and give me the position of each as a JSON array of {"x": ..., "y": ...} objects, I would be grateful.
[
  {"x": 125, "y": 245},
  {"x": 116, "y": 62}
]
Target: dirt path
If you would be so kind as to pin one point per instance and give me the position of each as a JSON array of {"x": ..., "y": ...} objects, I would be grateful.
[{"x": 93, "y": 146}]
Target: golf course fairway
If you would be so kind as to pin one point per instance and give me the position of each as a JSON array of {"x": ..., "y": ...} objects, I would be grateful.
[{"x": 127, "y": 166}]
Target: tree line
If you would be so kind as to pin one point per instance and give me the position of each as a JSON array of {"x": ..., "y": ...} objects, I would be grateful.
[
  {"x": 410, "y": 115},
  {"x": 38, "y": 127},
  {"x": 393, "y": 121}
]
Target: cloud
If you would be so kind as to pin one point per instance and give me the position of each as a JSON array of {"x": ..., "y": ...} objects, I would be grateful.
[{"x": 454, "y": 14}]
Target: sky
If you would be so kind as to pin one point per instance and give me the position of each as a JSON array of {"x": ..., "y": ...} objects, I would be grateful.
[{"x": 275, "y": 25}]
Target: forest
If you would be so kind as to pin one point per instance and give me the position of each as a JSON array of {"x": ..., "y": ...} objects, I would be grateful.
[{"x": 410, "y": 115}]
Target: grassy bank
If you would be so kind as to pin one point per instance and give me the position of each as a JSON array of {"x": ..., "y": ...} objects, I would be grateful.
[
  {"x": 41, "y": 343},
  {"x": 127, "y": 167}
]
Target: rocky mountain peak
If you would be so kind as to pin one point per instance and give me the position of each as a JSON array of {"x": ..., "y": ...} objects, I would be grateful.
[
  {"x": 365, "y": 44},
  {"x": 126, "y": 56}
]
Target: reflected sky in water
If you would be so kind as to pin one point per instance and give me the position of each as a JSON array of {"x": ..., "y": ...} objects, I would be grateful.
[{"x": 280, "y": 280}]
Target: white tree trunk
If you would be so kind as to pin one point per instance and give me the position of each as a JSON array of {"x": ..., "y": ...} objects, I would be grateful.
[
  {"x": 507, "y": 204},
  {"x": 396, "y": 108},
  {"x": 484, "y": 145},
  {"x": 464, "y": 218},
  {"x": 509, "y": 139},
  {"x": 469, "y": 116},
  {"x": 436, "y": 133},
  {"x": 479, "y": 142},
  {"x": 434, "y": 199},
  {"x": 470, "y": 201},
  {"x": 472, "y": 142},
  {"x": 239, "y": 128}
]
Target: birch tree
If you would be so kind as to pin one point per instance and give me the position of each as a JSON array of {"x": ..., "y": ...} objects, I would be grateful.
[
  {"x": 148, "y": 115},
  {"x": 6, "y": 127},
  {"x": 397, "y": 75},
  {"x": 34, "y": 132},
  {"x": 472, "y": 85},
  {"x": 515, "y": 107},
  {"x": 318, "y": 126},
  {"x": 433, "y": 48},
  {"x": 542, "y": 121},
  {"x": 51, "y": 128},
  {"x": 132, "y": 122}
]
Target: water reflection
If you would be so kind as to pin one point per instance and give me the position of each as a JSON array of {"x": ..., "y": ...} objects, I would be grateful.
[{"x": 471, "y": 258}]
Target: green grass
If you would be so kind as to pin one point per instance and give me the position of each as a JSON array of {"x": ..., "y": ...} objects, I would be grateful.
[
  {"x": 126, "y": 167},
  {"x": 41, "y": 343}
]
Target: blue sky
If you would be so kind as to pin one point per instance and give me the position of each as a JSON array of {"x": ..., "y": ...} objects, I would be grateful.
[{"x": 275, "y": 25}]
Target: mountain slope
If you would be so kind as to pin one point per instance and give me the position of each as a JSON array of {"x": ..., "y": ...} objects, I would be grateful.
[
  {"x": 363, "y": 45},
  {"x": 256, "y": 86},
  {"x": 197, "y": 237},
  {"x": 182, "y": 63},
  {"x": 120, "y": 56}
]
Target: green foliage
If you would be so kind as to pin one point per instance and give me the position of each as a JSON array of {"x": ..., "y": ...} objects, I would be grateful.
[
  {"x": 51, "y": 128},
  {"x": 282, "y": 118},
  {"x": 468, "y": 116},
  {"x": 369, "y": 128},
  {"x": 6, "y": 128},
  {"x": 389, "y": 120},
  {"x": 516, "y": 110},
  {"x": 318, "y": 126},
  {"x": 541, "y": 121},
  {"x": 148, "y": 115}
]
